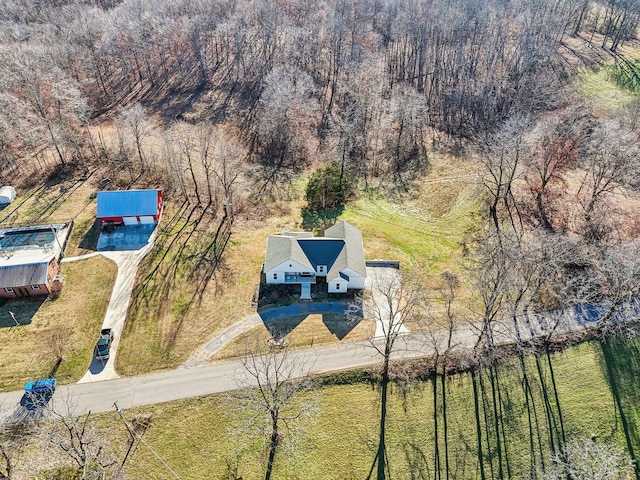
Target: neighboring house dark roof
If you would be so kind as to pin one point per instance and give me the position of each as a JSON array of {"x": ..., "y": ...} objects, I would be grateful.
[
  {"x": 22, "y": 275},
  {"x": 127, "y": 203},
  {"x": 341, "y": 248}
]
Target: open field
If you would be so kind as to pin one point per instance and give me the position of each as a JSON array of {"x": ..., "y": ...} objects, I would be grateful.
[
  {"x": 606, "y": 96},
  {"x": 339, "y": 443},
  {"x": 70, "y": 323}
]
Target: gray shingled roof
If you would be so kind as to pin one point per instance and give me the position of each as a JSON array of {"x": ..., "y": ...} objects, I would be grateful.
[
  {"x": 354, "y": 251},
  {"x": 280, "y": 249}
]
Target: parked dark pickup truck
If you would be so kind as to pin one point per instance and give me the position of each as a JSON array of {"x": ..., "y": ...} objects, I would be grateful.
[{"x": 104, "y": 343}]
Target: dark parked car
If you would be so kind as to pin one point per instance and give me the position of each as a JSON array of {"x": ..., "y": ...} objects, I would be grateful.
[{"x": 104, "y": 343}]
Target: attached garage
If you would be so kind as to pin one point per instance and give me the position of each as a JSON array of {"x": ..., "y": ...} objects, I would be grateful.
[{"x": 129, "y": 207}]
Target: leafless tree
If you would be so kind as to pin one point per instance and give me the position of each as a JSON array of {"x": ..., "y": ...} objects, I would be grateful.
[
  {"x": 439, "y": 333},
  {"x": 501, "y": 158},
  {"x": 134, "y": 124},
  {"x": 79, "y": 439},
  {"x": 14, "y": 438},
  {"x": 272, "y": 386},
  {"x": 555, "y": 152},
  {"x": 286, "y": 114},
  {"x": 56, "y": 343},
  {"x": 611, "y": 161},
  {"x": 590, "y": 458}
]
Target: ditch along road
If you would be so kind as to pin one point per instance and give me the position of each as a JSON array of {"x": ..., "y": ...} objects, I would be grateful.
[{"x": 225, "y": 376}]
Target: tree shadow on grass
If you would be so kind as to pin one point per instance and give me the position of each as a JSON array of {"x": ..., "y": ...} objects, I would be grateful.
[
  {"x": 340, "y": 324},
  {"x": 621, "y": 362},
  {"x": 281, "y": 327},
  {"x": 90, "y": 239}
]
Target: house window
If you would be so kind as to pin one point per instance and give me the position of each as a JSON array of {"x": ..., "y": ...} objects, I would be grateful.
[
  {"x": 275, "y": 276},
  {"x": 8, "y": 289},
  {"x": 321, "y": 268},
  {"x": 337, "y": 286},
  {"x": 35, "y": 287}
]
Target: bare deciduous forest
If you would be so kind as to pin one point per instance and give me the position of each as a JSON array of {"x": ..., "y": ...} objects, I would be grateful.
[{"x": 228, "y": 102}]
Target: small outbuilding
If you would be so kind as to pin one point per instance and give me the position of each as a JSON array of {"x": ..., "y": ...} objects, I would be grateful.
[
  {"x": 7, "y": 195},
  {"x": 129, "y": 207}
]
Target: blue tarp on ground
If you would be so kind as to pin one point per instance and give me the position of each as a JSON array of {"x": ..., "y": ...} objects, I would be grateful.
[{"x": 127, "y": 203}]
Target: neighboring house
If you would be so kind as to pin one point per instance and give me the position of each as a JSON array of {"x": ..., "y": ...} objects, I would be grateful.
[
  {"x": 7, "y": 195},
  {"x": 129, "y": 207},
  {"x": 300, "y": 258},
  {"x": 30, "y": 259}
]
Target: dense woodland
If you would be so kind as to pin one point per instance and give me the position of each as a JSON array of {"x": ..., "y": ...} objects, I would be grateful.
[{"x": 219, "y": 100}]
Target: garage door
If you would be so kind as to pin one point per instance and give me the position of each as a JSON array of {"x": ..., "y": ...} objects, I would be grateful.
[
  {"x": 147, "y": 220},
  {"x": 130, "y": 221}
]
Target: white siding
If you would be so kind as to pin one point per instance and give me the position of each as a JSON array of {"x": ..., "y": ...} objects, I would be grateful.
[
  {"x": 356, "y": 282},
  {"x": 337, "y": 285},
  {"x": 276, "y": 274}
]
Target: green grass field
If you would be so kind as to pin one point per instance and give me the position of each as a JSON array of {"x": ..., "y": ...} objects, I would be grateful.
[
  {"x": 587, "y": 392},
  {"x": 600, "y": 88}
]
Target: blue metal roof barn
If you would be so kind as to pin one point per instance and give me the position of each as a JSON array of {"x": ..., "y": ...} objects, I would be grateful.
[{"x": 128, "y": 203}]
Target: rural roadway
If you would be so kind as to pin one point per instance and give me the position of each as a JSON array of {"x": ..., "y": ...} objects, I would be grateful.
[{"x": 224, "y": 376}]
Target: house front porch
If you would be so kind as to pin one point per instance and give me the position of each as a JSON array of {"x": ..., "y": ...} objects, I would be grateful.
[{"x": 298, "y": 278}]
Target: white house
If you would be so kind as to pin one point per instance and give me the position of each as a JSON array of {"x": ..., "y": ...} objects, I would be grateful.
[{"x": 300, "y": 258}]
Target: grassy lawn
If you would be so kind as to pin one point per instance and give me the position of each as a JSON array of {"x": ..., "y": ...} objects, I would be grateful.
[
  {"x": 27, "y": 351},
  {"x": 177, "y": 311},
  {"x": 596, "y": 396}
]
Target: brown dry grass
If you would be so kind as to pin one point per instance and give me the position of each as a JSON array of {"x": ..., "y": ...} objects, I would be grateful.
[
  {"x": 163, "y": 338},
  {"x": 424, "y": 232},
  {"x": 79, "y": 311}
]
